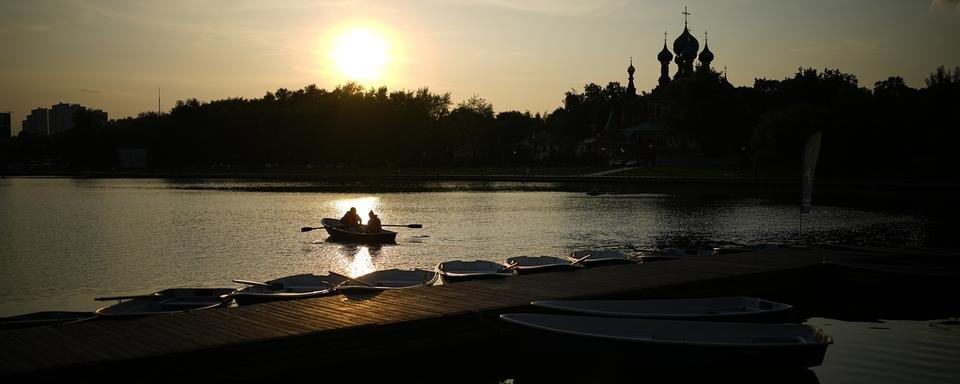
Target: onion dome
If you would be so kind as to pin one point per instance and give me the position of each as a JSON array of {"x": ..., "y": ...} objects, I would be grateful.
[
  {"x": 631, "y": 69},
  {"x": 665, "y": 55},
  {"x": 706, "y": 56},
  {"x": 686, "y": 46}
]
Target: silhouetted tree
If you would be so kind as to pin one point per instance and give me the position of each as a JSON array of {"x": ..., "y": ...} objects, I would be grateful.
[{"x": 894, "y": 130}]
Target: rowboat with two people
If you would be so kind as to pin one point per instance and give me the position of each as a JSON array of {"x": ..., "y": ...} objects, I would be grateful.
[
  {"x": 355, "y": 234},
  {"x": 359, "y": 233}
]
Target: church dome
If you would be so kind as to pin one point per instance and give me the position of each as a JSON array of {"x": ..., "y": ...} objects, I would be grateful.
[
  {"x": 686, "y": 46},
  {"x": 706, "y": 55},
  {"x": 665, "y": 54}
]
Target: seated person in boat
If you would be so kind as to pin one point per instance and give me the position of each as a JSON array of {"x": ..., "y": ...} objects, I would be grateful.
[
  {"x": 373, "y": 224},
  {"x": 351, "y": 219}
]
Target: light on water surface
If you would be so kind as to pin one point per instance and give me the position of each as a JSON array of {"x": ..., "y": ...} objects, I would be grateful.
[
  {"x": 358, "y": 263},
  {"x": 363, "y": 205},
  {"x": 65, "y": 241}
]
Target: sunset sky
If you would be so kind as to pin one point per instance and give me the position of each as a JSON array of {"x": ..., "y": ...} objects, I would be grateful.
[{"x": 519, "y": 55}]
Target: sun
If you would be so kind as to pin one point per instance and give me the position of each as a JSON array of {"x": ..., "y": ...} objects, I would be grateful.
[{"x": 360, "y": 54}]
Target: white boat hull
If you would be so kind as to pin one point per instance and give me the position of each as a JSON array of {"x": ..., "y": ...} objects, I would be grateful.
[
  {"x": 596, "y": 257},
  {"x": 457, "y": 271},
  {"x": 737, "y": 308},
  {"x": 388, "y": 280},
  {"x": 672, "y": 342}
]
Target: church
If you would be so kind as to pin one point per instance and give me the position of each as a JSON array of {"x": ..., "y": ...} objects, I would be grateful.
[{"x": 636, "y": 129}]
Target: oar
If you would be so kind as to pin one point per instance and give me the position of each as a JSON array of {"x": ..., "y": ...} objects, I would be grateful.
[
  {"x": 118, "y": 298},
  {"x": 351, "y": 279},
  {"x": 308, "y": 229},
  {"x": 259, "y": 283},
  {"x": 580, "y": 259}
]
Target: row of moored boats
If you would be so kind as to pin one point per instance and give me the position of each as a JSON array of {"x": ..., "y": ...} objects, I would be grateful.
[
  {"x": 302, "y": 286},
  {"x": 695, "y": 330}
]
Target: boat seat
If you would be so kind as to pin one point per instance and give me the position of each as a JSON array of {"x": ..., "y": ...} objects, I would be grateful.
[
  {"x": 187, "y": 303},
  {"x": 718, "y": 311},
  {"x": 393, "y": 283},
  {"x": 776, "y": 340}
]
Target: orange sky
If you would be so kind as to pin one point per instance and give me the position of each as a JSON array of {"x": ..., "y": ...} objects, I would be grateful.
[{"x": 519, "y": 55}]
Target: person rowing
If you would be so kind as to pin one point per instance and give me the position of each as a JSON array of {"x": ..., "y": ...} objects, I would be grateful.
[{"x": 351, "y": 219}]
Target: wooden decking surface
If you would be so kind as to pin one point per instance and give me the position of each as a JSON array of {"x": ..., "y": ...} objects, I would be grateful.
[{"x": 271, "y": 336}]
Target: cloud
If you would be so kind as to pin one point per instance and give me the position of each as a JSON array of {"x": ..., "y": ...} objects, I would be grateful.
[
  {"x": 838, "y": 47},
  {"x": 552, "y": 7},
  {"x": 943, "y": 4}
]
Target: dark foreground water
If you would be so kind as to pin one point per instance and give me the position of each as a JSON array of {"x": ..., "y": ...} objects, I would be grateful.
[
  {"x": 65, "y": 241},
  {"x": 887, "y": 352}
]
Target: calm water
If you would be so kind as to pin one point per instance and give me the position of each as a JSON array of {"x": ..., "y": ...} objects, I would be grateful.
[{"x": 65, "y": 241}]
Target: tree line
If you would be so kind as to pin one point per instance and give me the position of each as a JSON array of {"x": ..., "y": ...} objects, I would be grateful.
[{"x": 891, "y": 130}]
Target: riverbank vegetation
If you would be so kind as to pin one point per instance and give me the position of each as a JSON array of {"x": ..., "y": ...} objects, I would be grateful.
[{"x": 891, "y": 130}]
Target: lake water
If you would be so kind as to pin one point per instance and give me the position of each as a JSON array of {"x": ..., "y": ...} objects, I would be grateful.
[{"x": 65, "y": 241}]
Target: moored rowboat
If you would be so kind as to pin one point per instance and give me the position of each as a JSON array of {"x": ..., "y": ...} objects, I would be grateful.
[
  {"x": 294, "y": 287},
  {"x": 536, "y": 264},
  {"x": 595, "y": 257},
  {"x": 388, "y": 279},
  {"x": 454, "y": 271},
  {"x": 166, "y": 301},
  {"x": 738, "y": 308},
  {"x": 38, "y": 319},
  {"x": 338, "y": 232},
  {"x": 674, "y": 342}
]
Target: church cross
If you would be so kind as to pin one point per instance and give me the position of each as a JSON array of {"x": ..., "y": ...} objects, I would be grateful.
[{"x": 685, "y": 14}]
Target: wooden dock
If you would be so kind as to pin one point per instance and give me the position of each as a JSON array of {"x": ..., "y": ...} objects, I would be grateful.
[{"x": 263, "y": 340}]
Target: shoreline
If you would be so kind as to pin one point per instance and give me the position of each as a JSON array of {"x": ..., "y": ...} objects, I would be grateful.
[{"x": 367, "y": 175}]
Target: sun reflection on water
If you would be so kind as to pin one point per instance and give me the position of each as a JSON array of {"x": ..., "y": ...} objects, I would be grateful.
[{"x": 358, "y": 260}]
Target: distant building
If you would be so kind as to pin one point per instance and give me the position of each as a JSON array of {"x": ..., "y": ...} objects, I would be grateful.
[
  {"x": 636, "y": 128},
  {"x": 61, "y": 117},
  {"x": 4, "y": 138},
  {"x": 37, "y": 122},
  {"x": 685, "y": 49},
  {"x": 58, "y": 118},
  {"x": 5, "y": 129},
  {"x": 101, "y": 115}
]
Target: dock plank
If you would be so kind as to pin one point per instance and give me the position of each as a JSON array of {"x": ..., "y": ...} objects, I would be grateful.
[{"x": 368, "y": 324}]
